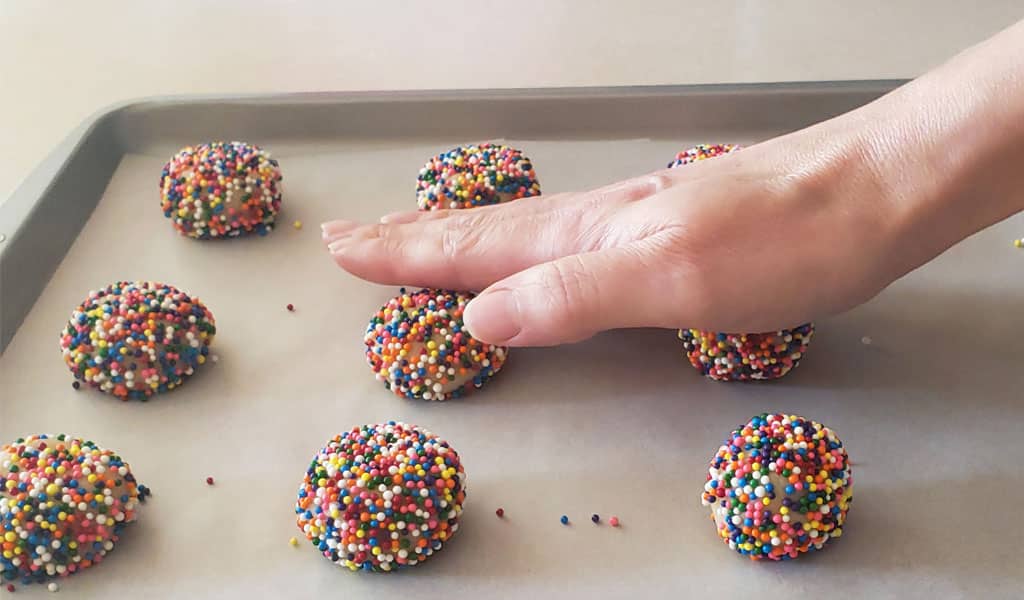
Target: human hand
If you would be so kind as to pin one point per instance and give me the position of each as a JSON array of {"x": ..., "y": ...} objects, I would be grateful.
[
  {"x": 786, "y": 231},
  {"x": 735, "y": 244}
]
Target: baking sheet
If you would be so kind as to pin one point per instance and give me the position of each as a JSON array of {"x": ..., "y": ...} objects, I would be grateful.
[{"x": 930, "y": 412}]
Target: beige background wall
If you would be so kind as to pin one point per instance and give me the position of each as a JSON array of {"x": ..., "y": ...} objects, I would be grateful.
[{"x": 61, "y": 61}]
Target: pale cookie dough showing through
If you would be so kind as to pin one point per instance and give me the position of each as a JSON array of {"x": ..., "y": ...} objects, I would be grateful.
[
  {"x": 382, "y": 497},
  {"x": 63, "y": 503},
  {"x": 136, "y": 339},
  {"x": 221, "y": 190},
  {"x": 418, "y": 346},
  {"x": 780, "y": 486},
  {"x": 475, "y": 175}
]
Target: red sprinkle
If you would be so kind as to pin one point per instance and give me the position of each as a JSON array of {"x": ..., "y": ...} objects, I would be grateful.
[
  {"x": 500, "y": 512},
  {"x": 614, "y": 521},
  {"x": 10, "y": 587},
  {"x": 209, "y": 481},
  {"x": 291, "y": 307}
]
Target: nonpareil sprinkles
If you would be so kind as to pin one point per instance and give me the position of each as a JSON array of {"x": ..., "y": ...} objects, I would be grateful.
[
  {"x": 746, "y": 356},
  {"x": 740, "y": 356},
  {"x": 135, "y": 339},
  {"x": 701, "y": 152},
  {"x": 63, "y": 503},
  {"x": 221, "y": 189},
  {"x": 418, "y": 346},
  {"x": 475, "y": 175},
  {"x": 780, "y": 486},
  {"x": 382, "y": 497}
]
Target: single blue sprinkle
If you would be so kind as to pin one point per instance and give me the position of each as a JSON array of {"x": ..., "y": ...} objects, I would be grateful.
[{"x": 564, "y": 520}]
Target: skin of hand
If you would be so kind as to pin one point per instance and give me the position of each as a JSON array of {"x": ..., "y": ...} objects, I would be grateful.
[{"x": 799, "y": 227}]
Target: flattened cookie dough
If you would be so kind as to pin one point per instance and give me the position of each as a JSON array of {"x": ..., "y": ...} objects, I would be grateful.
[
  {"x": 418, "y": 346},
  {"x": 63, "y": 503},
  {"x": 221, "y": 190},
  {"x": 475, "y": 175},
  {"x": 134, "y": 339},
  {"x": 382, "y": 497}
]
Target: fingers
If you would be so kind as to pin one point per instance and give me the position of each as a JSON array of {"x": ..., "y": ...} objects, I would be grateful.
[
  {"x": 574, "y": 297},
  {"x": 470, "y": 249},
  {"x": 466, "y": 250}
]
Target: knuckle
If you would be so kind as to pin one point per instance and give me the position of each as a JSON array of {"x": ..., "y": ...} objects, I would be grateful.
[
  {"x": 452, "y": 243},
  {"x": 658, "y": 182},
  {"x": 460, "y": 236}
]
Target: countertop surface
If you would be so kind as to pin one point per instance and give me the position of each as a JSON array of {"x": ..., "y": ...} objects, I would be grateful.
[{"x": 63, "y": 61}]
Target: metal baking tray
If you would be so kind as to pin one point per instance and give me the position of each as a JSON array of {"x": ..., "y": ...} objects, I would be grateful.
[{"x": 930, "y": 409}]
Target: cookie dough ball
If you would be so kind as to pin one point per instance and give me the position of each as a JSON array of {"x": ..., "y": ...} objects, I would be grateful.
[
  {"x": 418, "y": 346},
  {"x": 475, "y": 175},
  {"x": 740, "y": 356},
  {"x": 220, "y": 190},
  {"x": 701, "y": 152},
  {"x": 382, "y": 497},
  {"x": 63, "y": 503},
  {"x": 134, "y": 339},
  {"x": 746, "y": 356},
  {"x": 779, "y": 486}
]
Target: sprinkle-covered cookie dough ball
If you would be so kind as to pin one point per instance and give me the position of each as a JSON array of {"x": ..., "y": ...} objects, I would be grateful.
[
  {"x": 740, "y": 356},
  {"x": 475, "y": 175},
  {"x": 220, "y": 190},
  {"x": 701, "y": 152},
  {"x": 746, "y": 356},
  {"x": 382, "y": 497},
  {"x": 63, "y": 503},
  {"x": 134, "y": 339},
  {"x": 418, "y": 346},
  {"x": 779, "y": 486}
]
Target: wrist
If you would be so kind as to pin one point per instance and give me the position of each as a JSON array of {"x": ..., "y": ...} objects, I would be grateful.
[{"x": 946, "y": 152}]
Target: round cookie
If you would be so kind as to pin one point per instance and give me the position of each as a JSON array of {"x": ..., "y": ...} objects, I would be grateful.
[
  {"x": 134, "y": 339},
  {"x": 418, "y": 346},
  {"x": 740, "y": 356},
  {"x": 382, "y": 497},
  {"x": 220, "y": 190},
  {"x": 746, "y": 356},
  {"x": 475, "y": 175},
  {"x": 63, "y": 504},
  {"x": 779, "y": 486}
]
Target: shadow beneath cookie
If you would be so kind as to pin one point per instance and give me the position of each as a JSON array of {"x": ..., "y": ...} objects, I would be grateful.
[
  {"x": 614, "y": 365},
  {"x": 920, "y": 532},
  {"x": 921, "y": 338}
]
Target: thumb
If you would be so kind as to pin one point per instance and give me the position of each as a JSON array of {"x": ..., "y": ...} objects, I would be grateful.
[{"x": 573, "y": 297}]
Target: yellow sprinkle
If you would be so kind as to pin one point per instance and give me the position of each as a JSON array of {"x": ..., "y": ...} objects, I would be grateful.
[
  {"x": 293, "y": 542},
  {"x": 1019, "y": 243},
  {"x": 297, "y": 224}
]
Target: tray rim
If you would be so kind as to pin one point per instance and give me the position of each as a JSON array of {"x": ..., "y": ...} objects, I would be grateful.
[{"x": 20, "y": 213}]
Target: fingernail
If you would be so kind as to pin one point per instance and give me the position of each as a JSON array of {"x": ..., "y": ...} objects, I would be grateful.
[
  {"x": 336, "y": 227},
  {"x": 337, "y": 246},
  {"x": 329, "y": 239},
  {"x": 493, "y": 317},
  {"x": 404, "y": 216}
]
